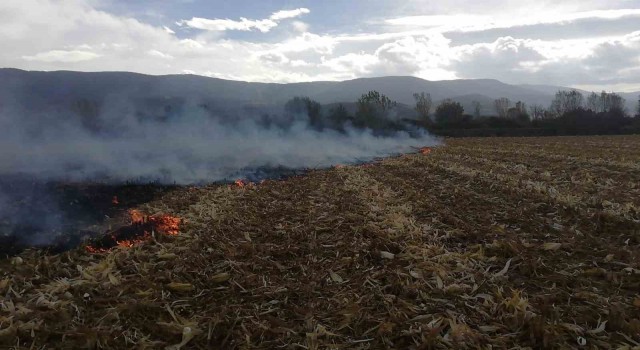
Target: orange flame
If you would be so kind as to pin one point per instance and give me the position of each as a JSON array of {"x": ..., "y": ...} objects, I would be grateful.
[
  {"x": 166, "y": 224},
  {"x": 128, "y": 243},
  {"x": 425, "y": 150},
  {"x": 136, "y": 216},
  {"x": 93, "y": 250},
  {"x": 242, "y": 183},
  {"x": 125, "y": 243}
]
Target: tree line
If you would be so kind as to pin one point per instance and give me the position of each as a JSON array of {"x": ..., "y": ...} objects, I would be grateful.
[
  {"x": 373, "y": 111},
  {"x": 569, "y": 113}
]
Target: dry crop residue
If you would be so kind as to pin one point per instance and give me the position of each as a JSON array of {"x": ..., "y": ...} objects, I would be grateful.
[{"x": 504, "y": 242}]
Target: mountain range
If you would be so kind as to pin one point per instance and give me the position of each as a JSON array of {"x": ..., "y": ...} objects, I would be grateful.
[{"x": 39, "y": 90}]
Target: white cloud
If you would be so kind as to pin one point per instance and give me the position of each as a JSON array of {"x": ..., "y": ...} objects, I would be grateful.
[
  {"x": 422, "y": 55},
  {"x": 604, "y": 14},
  {"x": 190, "y": 44},
  {"x": 319, "y": 44},
  {"x": 300, "y": 26},
  {"x": 437, "y": 20},
  {"x": 472, "y": 22},
  {"x": 583, "y": 62},
  {"x": 158, "y": 54},
  {"x": 244, "y": 24},
  {"x": 280, "y": 15},
  {"x": 62, "y": 56},
  {"x": 352, "y": 63},
  {"x": 79, "y": 37},
  {"x": 506, "y": 54}
]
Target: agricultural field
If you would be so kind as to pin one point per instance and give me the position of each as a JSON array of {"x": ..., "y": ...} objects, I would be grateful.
[{"x": 477, "y": 243}]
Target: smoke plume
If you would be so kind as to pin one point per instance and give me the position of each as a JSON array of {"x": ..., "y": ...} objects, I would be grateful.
[
  {"x": 118, "y": 141},
  {"x": 192, "y": 147}
]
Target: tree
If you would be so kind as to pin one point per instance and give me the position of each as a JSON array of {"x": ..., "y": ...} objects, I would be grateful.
[
  {"x": 519, "y": 113},
  {"x": 476, "y": 109},
  {"x": 537, "y": 111},
  {"x": 449, "y": 112},
  {"x": 612, "y": 101},
  {"x": 338, "y": 116},
  {"x": 604, "y": 102},
  {"x": 423, "y": 105},
  {"x": 566, "y": 101},
  {"x": 593, "y": 102},
  {"x": 314, "y": 111},
  {"x": 372, "y": 110},
  {"x": 376, "y": 100},
  {"x": 638, "y": 109},
  {"x": 502, "y": 106},
  {"x": 574, "y": 100},
  {"x": 304, "y": 106}
]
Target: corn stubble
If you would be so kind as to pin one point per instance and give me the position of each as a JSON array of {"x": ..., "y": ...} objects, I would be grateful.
[{"x": 511, "y": 242}]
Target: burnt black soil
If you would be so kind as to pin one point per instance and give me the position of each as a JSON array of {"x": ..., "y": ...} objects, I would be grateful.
[{"x": 58, "y": 216}]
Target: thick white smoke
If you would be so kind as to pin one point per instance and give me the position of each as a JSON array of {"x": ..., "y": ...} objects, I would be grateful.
[
  {"x": 41, "y": 147},
  {"x": 190, "y": 148}
]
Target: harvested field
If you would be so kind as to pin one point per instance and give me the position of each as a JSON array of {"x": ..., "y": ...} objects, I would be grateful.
[{"x": 531, "y": 242}]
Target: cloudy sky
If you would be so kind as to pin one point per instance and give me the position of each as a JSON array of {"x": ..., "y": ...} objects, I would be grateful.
[{"x": 591, "y": 44}]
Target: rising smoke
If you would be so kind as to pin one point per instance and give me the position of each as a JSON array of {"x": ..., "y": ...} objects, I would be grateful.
[
  {"x": 189, "y": 145},
  {"x": 189, "y": 148}
]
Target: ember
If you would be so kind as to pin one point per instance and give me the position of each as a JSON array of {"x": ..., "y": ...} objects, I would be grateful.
[
  {"x": 243, "y": 183},
  {"x": 425, "y": 150},
  {"x": 140, "y": 230},
  {"x": 166, "y": 224},
  {"x": 136, "y": 216}
]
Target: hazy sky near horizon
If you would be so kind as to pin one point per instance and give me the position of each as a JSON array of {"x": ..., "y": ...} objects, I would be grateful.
[{"x": 591, "y": 44}]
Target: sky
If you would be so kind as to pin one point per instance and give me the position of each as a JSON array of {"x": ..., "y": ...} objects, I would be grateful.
[{"x": 589, "y": 44}]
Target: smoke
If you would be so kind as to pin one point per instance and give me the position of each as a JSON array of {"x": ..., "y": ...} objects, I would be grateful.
[
  {"x": 191, "y": 147},
  {"x": 29, "y": 214},
  {"x": 119, "y": 141}
]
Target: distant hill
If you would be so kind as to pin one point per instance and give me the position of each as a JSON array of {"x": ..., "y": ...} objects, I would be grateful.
[
  {"x": 60, "y": 89},
  {"x": 548, "y": 89},
  {"x": 401, "y": 89}
]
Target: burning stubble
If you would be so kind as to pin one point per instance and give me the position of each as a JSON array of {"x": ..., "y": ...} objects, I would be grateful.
[{"x": 141, "y": 228}]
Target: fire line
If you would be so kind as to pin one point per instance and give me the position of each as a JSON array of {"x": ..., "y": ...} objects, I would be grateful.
[{"x": 139, "y": 230}]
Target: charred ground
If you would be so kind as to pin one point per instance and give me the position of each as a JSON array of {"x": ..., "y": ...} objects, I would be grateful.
[
  {"x": 502, "y": 242},
  {"x": 57, "y": 216}
]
